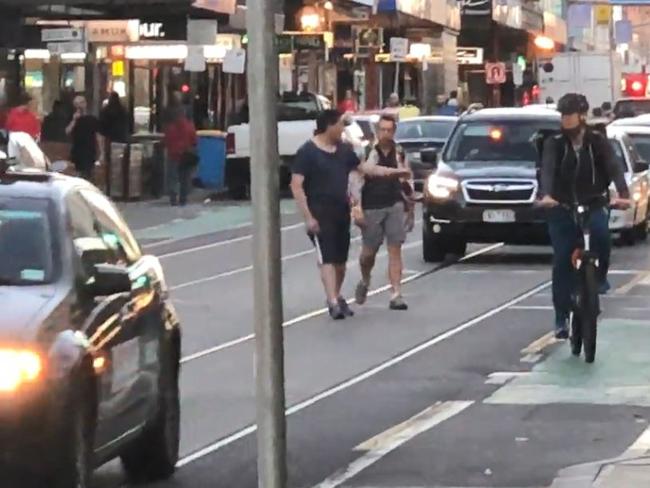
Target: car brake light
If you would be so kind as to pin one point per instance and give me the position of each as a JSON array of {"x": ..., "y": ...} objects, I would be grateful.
[{"x": 230, "y": 143}]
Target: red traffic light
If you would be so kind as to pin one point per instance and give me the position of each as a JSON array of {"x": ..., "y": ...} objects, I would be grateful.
[{"x": 185, "y": 88}]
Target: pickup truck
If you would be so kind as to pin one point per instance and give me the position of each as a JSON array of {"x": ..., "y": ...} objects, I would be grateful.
[{"x": 296, "y": 124}]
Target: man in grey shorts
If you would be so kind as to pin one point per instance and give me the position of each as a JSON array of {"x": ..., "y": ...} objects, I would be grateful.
[{"x": 384, "y": 215}]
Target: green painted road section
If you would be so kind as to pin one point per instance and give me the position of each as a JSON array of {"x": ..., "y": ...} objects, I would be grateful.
[
  {"x": 162, "y": 223},
  {"x": 620, "y": 375}
]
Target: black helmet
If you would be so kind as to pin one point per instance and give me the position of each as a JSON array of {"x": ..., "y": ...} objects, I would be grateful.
[{"x": 573, "y": 103}]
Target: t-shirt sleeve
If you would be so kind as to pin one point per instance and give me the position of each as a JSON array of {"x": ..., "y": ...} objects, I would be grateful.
[
  {"x": 302, "y": 162},
  {"x": 353, "y": 159}
]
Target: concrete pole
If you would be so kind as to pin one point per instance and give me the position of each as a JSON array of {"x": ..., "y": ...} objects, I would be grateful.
[{"x": 267, "y": 288}]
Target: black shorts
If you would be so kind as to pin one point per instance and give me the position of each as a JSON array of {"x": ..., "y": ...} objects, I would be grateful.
[{"x": 333, "y": 241}]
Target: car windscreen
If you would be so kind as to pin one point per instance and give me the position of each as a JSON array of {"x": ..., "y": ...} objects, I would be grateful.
[
  {"x": 619, "y": 156},
  {"x": 631, "y": 108},
  {"x": 642, "y": 145},
  {"x": 298, "y": 107},
  {"x": 424, "y": 129},
  {"x": 26, "y": 242},
  {"x": 496, "y": 141}
]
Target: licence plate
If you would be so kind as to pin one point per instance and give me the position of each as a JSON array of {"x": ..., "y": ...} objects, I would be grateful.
[{"x": 499, "y": 216}]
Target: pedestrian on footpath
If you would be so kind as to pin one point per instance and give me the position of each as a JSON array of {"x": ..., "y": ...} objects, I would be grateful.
[
  {"x": 22, "y": 119},
  {"x": 180, "y": 142},
  {"x": 319, "y": 183},
  {"x": 87, "y": 149},
  {"x": 386, "y": 213}
]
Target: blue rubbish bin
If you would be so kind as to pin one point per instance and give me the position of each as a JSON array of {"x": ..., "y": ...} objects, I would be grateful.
[{"x": 212, "y": 158}]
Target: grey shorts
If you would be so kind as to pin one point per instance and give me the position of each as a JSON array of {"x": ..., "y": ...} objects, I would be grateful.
[{"x": 387, "y": 224}]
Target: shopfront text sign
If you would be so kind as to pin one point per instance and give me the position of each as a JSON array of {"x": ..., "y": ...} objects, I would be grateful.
[
  {"x": 112, "y": 31},
  {"x": 152, "y": 30}
]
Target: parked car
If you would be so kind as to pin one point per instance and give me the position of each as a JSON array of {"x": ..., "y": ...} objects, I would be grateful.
[
  {"x": 631, "y": 224},
  {"x": 484, "y": 185},
  {"x": 631, "y": 107},
  {"x": 416, "y": 134},
  {"x": 89, "y": 340},
  {"x": 296, "y": 124}
]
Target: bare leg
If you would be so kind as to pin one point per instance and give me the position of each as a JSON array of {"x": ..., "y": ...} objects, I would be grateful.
[
  {"x": 329, "y": 276},
  {"x": 366, "y": 263},
  {"x": 340, "y": 277},
  {"x": 395, "y": 268}
]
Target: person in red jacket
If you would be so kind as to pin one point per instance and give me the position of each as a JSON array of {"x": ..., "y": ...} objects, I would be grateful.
[
  {"x": 180, "y": 142},
  {"x": 22, "y": 119},
  {"x": 348, "y": 104}
]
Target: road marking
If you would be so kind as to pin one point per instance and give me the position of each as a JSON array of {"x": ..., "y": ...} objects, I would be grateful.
[
  {"x": 245, "y": 269},
  {"x": 502, "y": 377},
  {"x": 385, "y": 443},
  {"x": 367, "y": 374},
  {"x": 220, "y": 243},
  {"x": 322, "y": 311},
  {"x": 538, "y": 345},
  {"x": 637, "y": 280}
]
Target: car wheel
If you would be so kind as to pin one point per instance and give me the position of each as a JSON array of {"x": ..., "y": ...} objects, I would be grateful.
[
  {"x": 153, "y": 456},
  {"x": 75, "y": 445},
  {"x": 458, "y": 247}
]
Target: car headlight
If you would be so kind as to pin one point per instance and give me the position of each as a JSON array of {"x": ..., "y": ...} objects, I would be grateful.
[
  {"x": 17, "y": 367},
  {"x": 441, "y": 186}
]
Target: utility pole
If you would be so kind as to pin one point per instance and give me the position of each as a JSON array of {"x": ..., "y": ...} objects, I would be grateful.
[{"x": 267, "y": 264}]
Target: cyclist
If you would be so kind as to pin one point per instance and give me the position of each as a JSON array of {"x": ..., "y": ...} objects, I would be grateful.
[{"x": 577, "y": 167}]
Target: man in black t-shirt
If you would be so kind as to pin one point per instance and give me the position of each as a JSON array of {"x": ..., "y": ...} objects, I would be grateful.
[
  {"x": 87, "y": 146},
  {"x": 320, "y": 187}
]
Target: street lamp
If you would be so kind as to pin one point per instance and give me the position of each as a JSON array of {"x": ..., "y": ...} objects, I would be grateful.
[{"x": 311, "y": 19}]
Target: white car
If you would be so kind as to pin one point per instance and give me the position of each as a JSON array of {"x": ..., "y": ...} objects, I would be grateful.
[{"x": 631, "y": 224}]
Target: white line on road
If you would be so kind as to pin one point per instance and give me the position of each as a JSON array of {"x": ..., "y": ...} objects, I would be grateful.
[
  {"x": 387, "y": 442},
  {"x": 532, "y": 307},
  {"x": 220, "y": 243},
  {"x": 321, "y": 311},
  {"x": 367, "y": 374}
]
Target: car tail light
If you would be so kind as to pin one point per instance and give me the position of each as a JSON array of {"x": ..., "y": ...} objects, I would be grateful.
[{"x": 230, "y": 143}]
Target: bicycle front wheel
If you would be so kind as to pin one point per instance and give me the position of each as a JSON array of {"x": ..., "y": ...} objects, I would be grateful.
[{"x": 590, "y": 310}]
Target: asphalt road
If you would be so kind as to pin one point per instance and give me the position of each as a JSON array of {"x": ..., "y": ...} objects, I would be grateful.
[{"x": 463, "y": 390}]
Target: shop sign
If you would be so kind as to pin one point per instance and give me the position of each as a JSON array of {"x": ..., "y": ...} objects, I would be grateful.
[
  {"x": 112, "y": 31},
  {"x": 62, "y": 35},
  {"x": 66, "y": 47},
  {"x": 308, "y": 42},
  {"x": 469, "y": 55},
  {"x": 475, "y": 8},
  {"x": 399, "y": 48},
  {"x": 495, "y": 73},
  {"x": 219, "y": 6},
  {"x": 285, "y": 44},
  {"x": 163, "y": 29},
  {"x": 368, "y": 39}
]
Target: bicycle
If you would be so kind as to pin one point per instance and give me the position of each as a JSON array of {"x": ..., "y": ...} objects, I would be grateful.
[{"x": 586, "y": 301}]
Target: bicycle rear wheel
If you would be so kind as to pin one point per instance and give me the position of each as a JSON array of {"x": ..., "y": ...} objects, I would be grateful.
[{"x": 590, "y": 309}]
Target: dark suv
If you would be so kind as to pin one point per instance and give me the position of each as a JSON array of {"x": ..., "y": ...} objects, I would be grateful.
[
  {"x": 89, "y": 340},
  {"x": 485, "y": 183}
]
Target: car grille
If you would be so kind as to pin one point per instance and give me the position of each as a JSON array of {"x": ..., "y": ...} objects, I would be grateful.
[{"x": 500, "y": 191}]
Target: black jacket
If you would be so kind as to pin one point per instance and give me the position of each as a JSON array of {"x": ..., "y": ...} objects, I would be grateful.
[{"x": 585, "y": 179}]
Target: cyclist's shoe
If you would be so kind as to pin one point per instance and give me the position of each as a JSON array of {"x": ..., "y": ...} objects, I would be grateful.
[
  {"x": 336, "y": 312},
  {"x": 604, "y": 287},
  {"x": 345, "y": 308},
  {"x": 561, "y": 330}
]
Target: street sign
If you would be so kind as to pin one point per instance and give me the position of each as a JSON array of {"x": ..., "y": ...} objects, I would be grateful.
[
  {"x": 603, "y": 14},
  {"x": 469, "y": 55},
  {"x": 399, "y": 48},
  {"x": 235, "y": 61},
  {"x": 66, "y": 47},
  {"x": 495, "y": 73},
  {"x": 62, "y": 35},
  {"x": 517, "y": 74}
]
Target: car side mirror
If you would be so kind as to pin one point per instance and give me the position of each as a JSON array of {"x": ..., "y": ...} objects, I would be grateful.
[
  {"x": 110, "y": 279},
  {"x": 641, "y": 166},
  {"x": 430, "y": 157}
]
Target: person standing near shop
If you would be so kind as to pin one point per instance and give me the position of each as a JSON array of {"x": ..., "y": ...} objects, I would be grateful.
[
  {"x": 114, "y": 120},
  {"x": 22, "y": 119},
  {"x": 384, "y": 214},
  {"x": 349, "y": 103},
  {"x": 319, "y": 183},
  {"x": 180, "y": 142},
  {"x": 87, "y": 143}
]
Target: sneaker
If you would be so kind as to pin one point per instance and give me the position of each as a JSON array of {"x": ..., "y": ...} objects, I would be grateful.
[
  {"x": 335, "y": 312},
  {"x": 398, "y": 303},
  {"x": 561, "y": 330},
  {"x": 361, "y": 293},
  {"x": 345, "y": 308}
]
